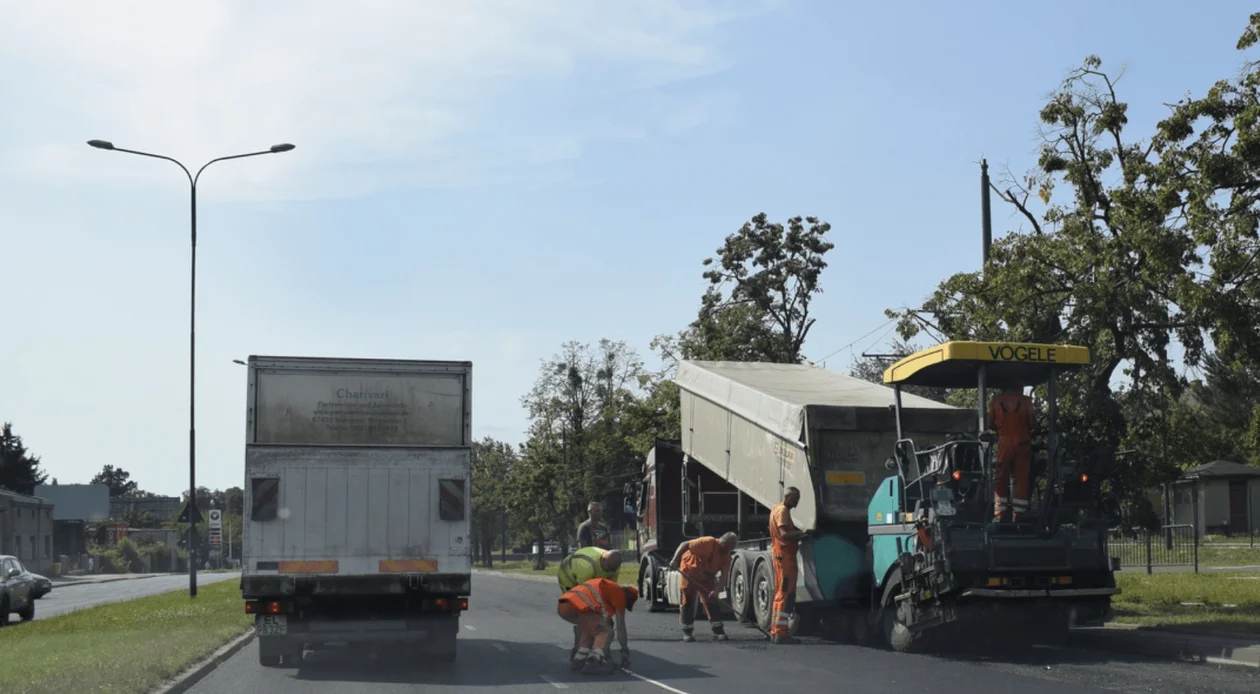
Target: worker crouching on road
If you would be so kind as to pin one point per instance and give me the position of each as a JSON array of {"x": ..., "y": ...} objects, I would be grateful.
[
  {"x": 582, "y": 566},
  {"x": 784, "y": 540},
  {"x": 590, "y": 605},
  {"x": 699, "y": 561},
  {"x": 1011, "y": 415}
]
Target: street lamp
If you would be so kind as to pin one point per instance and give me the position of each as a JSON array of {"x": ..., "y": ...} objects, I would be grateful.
[{"x": 192, "y": 335}]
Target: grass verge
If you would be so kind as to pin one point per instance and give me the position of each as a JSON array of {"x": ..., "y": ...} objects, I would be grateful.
[
  {"x": 122, "y": 647},
  {"x": 1215, "y": 601},
  {"x": 628, "y": 574}
]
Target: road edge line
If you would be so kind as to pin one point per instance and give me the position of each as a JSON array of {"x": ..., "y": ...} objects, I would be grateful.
[
  {"x": 651, "y": 681},
  {"x": 1175, "y": 647},
  {"x": 185, "y": 681},
  {"x": 71, "y": 584}
]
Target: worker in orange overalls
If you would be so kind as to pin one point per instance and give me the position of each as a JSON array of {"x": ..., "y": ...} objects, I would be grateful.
[
  {"x": 1011, "y": 415},
  {"x": 590, "y": 605},
  {"x": 699, "y": 561},
  {"x": 784, "y": 538}
]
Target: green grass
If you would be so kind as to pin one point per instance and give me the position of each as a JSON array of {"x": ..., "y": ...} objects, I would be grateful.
[
  {"x": 123, "y": 647},
  {"x": 628, "y": 574},
  {"x": 1214, "y": 555},
  {"x": 1222, "y": 601}
]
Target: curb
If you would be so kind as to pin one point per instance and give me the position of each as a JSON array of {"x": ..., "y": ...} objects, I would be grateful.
[
  {"x": 185, "y": 680},
  {"x": 521, "y": 576},
  {"x": 71, "y": 584},
  {"x": 1186, "y": 647}
]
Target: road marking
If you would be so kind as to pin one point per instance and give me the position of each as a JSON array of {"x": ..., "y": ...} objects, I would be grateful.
[
  {"x": 499, "y": 646},
  {"x": 649, "y": 680},
  {"x": 470, "y": 627},
  {"x": 557, "y": 685}
]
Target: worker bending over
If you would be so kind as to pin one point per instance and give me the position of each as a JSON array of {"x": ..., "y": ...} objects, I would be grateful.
[
  {"x": 784, "y": 540},
  {"x": 582, "y": 566},
  {"x": 699, "y": 561},
  {"x": 589, "y": 606},
  {"x": 1011, "y": 415}
]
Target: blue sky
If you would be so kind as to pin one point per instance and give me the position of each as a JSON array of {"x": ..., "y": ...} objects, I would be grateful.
[{"x": 487, "y": 180}]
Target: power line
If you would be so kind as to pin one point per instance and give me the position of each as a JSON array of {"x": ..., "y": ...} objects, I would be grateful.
[{"x": 881, "y": 327}]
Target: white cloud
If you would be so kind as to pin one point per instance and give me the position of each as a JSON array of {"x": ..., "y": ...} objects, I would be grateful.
[{"x": 427, "y": 92}]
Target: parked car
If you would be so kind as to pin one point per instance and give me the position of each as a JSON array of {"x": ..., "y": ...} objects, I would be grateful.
[
  {"x": 43, "y": 586},
  {"x": 17, "y": 590}
]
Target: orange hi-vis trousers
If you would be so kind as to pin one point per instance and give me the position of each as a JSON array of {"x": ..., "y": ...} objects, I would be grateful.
[
  {"x": 784, "y": 595},
  {"x": 1013, "y": 461},
  {"x": 593, "y": 630}
]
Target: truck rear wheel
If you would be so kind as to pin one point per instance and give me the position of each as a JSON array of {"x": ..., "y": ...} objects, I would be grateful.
[
  {"x": 763, "y": 595},
  {"x": 740, "y": 591},
  {"x": 648, "y": 571}
]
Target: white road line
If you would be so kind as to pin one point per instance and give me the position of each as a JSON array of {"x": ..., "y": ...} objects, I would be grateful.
[
  {"x": 557, "y": 685},
  {"x": 499, "y": 646},
  {"x": 649, "y": 680},
  {"x": 470, "y": 627}
]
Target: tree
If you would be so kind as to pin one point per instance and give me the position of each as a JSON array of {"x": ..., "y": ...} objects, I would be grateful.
[
  {"x": 578, "y": 450},
  {"x": 872, "y": 369},
  {"x": 1118, "y": 265},
  {"x": 19, "y": 469},
  {"x": 760, "y": 289},
  {"x": 118, "y": 480},
  {"x": 492, "y": 463}
]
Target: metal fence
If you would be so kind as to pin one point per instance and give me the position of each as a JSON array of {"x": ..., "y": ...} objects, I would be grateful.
[{"x": 1172, "y": 547}]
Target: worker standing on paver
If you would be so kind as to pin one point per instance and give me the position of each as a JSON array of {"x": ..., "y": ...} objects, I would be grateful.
[
  {"x": 589, "y": 606},
  {"x": 699, "y": 561},
  {"x": 784, "y": 538},
  {"x": 1012, "y": 416},
  {"x": 592, "y": 532},
  {"x": 582, "y": 566}
]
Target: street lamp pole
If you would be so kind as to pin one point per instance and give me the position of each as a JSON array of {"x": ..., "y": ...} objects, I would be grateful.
[{"x": 192, "y": 335}]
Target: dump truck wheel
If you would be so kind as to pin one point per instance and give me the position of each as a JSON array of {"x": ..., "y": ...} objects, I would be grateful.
[
  {"x": 740, "y": 591},
  {"x": 763, "y": 595},
  {"x": 647, "y": 585}
]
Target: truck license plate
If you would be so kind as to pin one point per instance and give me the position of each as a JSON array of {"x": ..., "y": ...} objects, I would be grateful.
[{"x": 272, "y": 625}]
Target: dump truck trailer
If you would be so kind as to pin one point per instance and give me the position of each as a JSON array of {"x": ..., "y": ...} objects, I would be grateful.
[
  {"x": 749, "y": 431},
  {"x": 357, "y": 481}
]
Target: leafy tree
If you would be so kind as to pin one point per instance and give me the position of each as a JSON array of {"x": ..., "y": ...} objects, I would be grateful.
[
  {"x": 492, "y": 465},
  {"x": 118, "y": 480},
  {"x": 579, "y": 449},
  {"x": 19, "y": 469},
  {"x": 1119, "y": 265},
  {"x": 760, "y": 290}
]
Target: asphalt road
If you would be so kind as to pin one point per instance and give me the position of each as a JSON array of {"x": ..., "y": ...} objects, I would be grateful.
[
  {"x": 512, "y": 641},
  {"x": 68, "y": 598}
]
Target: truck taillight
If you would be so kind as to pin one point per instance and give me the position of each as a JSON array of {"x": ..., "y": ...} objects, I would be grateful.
[
  {"x": 267, "y": 607},
  {"x": 446, "y": 604}
]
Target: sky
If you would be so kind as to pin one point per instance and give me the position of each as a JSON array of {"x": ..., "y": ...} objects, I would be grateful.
[{"x": 485, "y": 181}]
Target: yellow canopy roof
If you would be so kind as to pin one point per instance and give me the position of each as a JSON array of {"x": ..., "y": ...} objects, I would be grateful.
[{"x": 956, "y": 364}]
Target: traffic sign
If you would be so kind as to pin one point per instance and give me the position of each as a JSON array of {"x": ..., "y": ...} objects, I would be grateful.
[
  {"x": 216, "y": 519},
  {"x": 195, "y": 514}
]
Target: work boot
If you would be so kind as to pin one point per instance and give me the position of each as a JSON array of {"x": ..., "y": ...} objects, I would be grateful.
[
  {"x": 597, "y": 664},
  {"x": 721, "y": 636},
  {"x": 578, "y": 660},
  {"x": 688, "y": 638}
]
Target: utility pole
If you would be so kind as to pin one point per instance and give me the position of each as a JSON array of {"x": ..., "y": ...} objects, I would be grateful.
[{"x": 986, "y": 213}]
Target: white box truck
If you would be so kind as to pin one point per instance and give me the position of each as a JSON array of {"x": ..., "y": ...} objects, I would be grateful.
[{"x": 357, "y": 482}]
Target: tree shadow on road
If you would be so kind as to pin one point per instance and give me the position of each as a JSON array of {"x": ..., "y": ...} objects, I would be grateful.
[{"x": 480, "y": 663}]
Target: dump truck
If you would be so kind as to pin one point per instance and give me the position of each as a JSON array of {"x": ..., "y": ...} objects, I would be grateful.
[
  {"x": 750, "y": 430},
  {"x": 357, "y": 482}
]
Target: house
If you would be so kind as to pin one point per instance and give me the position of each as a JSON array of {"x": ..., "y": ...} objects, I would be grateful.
[
  {"x": 26, "y": 530},
  {"x": 76, "y": 507},
  {"x": 1219, "y": 498}
]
